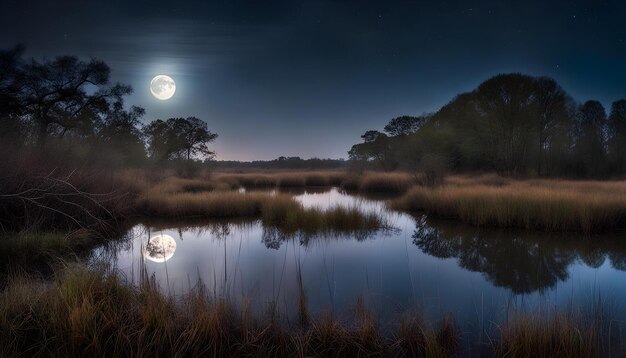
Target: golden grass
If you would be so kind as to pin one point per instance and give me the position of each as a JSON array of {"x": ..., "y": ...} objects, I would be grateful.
[
  {"x": 483, "y": 200},
  {"x": 211, "y": 205},
  {"x": 547, "y": 335},
  {"x": 94, "y": 313},
  {"x": 386, "y": 182},
  {"x": 180, "y": 198},
  {"x": 291, "y": 180},
  {"x": 547, "y": 205},
  {"x": 174, "y": 185},
  {"x": 278, "y": 210},
  {"x": 249, "y": 180},
  {"x": 285, "y": 179}
]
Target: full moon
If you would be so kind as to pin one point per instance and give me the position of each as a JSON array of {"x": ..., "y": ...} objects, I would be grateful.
[
  {"x": 159, "y": 248},
  {"x": 162, "y": 87}
]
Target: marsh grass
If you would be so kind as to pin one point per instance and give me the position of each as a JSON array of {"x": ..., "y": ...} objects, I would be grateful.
[
  {"x": 95, "y": 313},
  {"x": 249, "y": 180},
  {"x": 385, "y": 182},
  {"x": 291, "y": 217},
  {"x": 296, "y": 180},
  {"x": 413, "y": 339},
  {"x": 35, "y": 252},
  {"x": 174, "y": 185},
  {"x": 551, "y": 334},
  {"x": 173, "y": 198},
  {"x": 210, "y": 205},
  {"x": 315, "y": 179},
  {"x": 546, "y": 205}
]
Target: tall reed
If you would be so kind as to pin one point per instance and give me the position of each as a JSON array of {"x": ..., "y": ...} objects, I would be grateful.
[{"x": 547, "y": 334}]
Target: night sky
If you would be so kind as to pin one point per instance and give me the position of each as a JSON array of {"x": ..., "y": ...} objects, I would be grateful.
[{"x": 307, "y": 78}]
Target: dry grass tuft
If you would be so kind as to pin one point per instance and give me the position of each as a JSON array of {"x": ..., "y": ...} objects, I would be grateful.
[
  {"x": 552, "y": 335},
  {"x": 212, "y": 204},
  {"x": 386, "y": 182}
]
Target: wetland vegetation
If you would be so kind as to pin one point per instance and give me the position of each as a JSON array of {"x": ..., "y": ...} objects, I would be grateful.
[{"x": 436, "y": 238}]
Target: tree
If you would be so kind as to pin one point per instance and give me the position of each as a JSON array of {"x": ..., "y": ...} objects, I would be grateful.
[
  {"x": 404, "y": 125},
  {"x": 376, "y": 147},
  {"x": 178, "y": 138},
  {"x": 552, "y": 118},
  {"x": 505, "y": 106},
  {"x": 193, "y": 136},
  {"x": 157, "y": 135},
  {"x": 617, "y": 136},
  {"x": 56, "y": 93},
  {"x": 590, "y": 146},
  {"x": 10, "y": 86},
  {"x": 120, "y": 135},
  {"x": 372, "y": 136}
]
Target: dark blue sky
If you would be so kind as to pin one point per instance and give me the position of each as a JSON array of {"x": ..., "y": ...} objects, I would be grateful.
[{"x": 306, "y": 78}]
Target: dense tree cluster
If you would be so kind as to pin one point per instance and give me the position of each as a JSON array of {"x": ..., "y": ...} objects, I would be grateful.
[
  {"x": 513, "y": 124},
  {"x": 68, "y": 109}
]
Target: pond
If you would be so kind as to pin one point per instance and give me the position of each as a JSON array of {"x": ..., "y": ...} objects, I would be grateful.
[{"x": 434, "y": 267}]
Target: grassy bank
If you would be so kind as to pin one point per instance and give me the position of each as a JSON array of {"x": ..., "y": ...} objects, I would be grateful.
[
  {"x": 95, "y": 313},
  {"x": 486, "y": 200},
  {"x": 279, "y": 210},
  {"x": 90, "y": 312},
  {"x": 546, "y": 205}
]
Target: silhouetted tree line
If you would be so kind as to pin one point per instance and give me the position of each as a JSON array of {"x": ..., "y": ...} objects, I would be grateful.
[
  {"x": 68, "y": 110},
  {"x": 513, "y": 124},
  {"x": 282, "y": 163}
]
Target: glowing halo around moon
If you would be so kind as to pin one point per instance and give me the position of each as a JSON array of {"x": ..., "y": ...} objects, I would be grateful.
[
  {"x": 159, "y": 248},
  {"x": 162, "y": 87}
]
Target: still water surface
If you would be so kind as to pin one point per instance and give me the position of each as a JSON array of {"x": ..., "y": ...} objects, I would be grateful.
[{"x": 431, "y": 266}]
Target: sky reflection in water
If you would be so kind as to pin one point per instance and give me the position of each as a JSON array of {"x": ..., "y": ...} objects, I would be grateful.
[{"x": 432, "y": 266}]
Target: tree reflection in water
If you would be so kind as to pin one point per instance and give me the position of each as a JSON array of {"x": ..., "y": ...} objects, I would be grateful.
[{"x": 523, "y": 262}]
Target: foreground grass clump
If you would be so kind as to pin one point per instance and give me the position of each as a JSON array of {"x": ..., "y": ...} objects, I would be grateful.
[
  {"x": 546, "y": 205},
  {"x": 551, "y": 335},
  {"x": 94, "y": 313}
]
